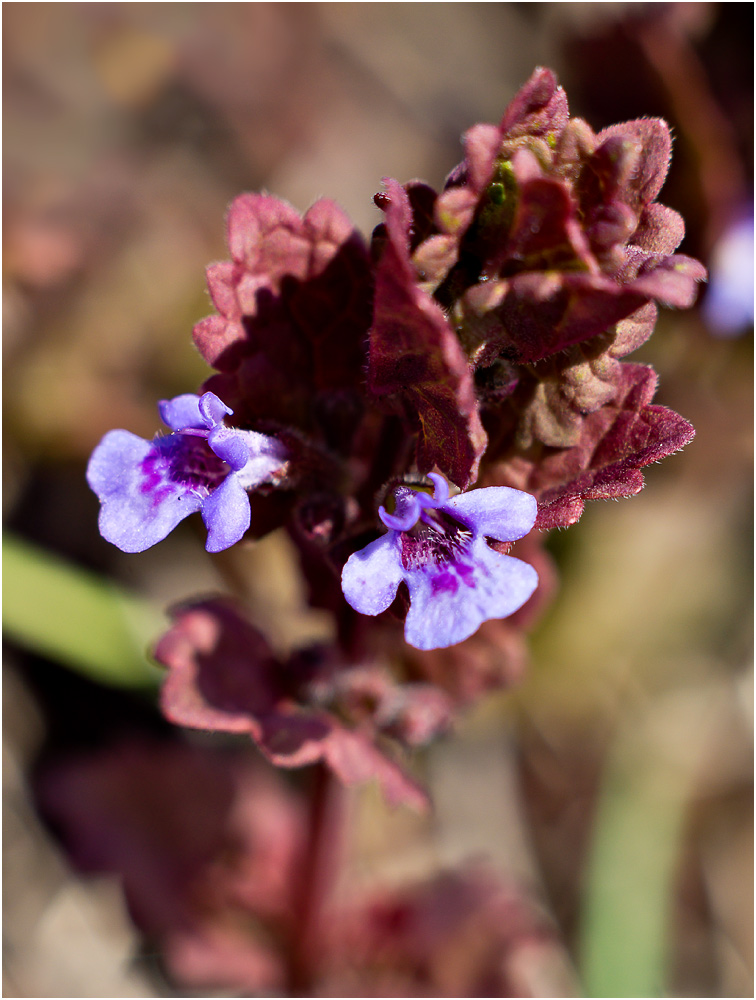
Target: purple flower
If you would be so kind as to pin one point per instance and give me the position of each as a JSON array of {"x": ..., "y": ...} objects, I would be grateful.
[
  {"x": 728, "y": 307},
  {"x": 147, "y": 487},
  {"x": 438, "y": 547}
]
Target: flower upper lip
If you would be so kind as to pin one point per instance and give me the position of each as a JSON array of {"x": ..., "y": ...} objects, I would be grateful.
[{"x": 415, "y": 505}]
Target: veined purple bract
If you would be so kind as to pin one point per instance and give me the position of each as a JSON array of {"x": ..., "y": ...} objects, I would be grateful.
[
  {"x": 147, "y": 487},
  {"x": 437, "y": 546}
]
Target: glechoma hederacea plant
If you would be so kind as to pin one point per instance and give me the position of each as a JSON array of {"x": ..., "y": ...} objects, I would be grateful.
[{"x": 406, "y": 410}]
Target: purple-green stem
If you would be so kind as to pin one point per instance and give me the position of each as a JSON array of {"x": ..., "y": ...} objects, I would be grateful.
[{"x": 320, "y": 865}]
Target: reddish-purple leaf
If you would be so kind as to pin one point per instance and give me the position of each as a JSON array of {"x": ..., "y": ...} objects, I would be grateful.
[
  {"x": 575, "y": 145},
  {"x": 355, "y": 759},
  {"x": 224, "y": 677},
  {"x": 462, "y": 933},
  {"x": 660, "y": 230},
  {"x": 655, "y": 152},
  {"x": 294, "y": 307},
  {"x": 205, "y": 843},
  {"x": 670, "y": 280},
  {"x": 556, "y": 394},
  {"x": 481, "y": 144},
  {"x": 416, "y": 358},
  {"x": 539, "y": 313},
  {"x": 616, "y": 442},
  {"x": 634, "y": 330},
  {"x": 413, "y": 713},
  {"x": 545, "y": 233},
  {"x": 542, "y": 312},
  {"x": 538, "y": 109}
]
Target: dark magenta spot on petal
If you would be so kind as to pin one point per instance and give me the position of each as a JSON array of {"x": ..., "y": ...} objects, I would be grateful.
[
  {"x": 151, "y": 472},
  {"x": 440, "y": 543},
  {"x": 162, "y": 494},
  {"x": 184, "y": 460},
  {"x": 467, "y": 573},
  {"x": 444, "y": 582}
]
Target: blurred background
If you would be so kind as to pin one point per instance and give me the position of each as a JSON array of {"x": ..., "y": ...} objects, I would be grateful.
[{"x": 616, "y": 778}]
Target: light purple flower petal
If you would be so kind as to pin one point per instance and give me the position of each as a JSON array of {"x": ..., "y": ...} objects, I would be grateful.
[
  {"x": 266, "y": 456},
  {"x": 147, "y": 487},
  {"x": 497, "y": 511},
  {"x": 408, "y": 505},
  {"x": 230, "y": 445},
  {"x": 440, "y": 488},
  {"x": 449, "y": 602},
  {"x": 137, "y": 510},
  {"x": 456, "y": 581},
  {"x": 213, "y": 409},
  {"x": 371, "y": 576},
  {"x": 181, "y": 412},
  {"x": 403, "y": 521},
  {"x": 226, "y": 513},
  {"x": 728, "y": 306}
]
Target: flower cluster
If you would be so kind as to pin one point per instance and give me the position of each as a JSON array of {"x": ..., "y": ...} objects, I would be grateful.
[
  {"x": 536, "y": 269},
  {"x": 406, "y": 410}
]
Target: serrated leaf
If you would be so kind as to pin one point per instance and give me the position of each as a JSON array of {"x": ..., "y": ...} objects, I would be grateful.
[
  {"x": 294, "y": 305},
  {"x": 616, "y": 442}
]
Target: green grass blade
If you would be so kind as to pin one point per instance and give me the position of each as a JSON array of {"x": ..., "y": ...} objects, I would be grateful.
[
  {"x": 77, "y": 618},
  {"x": 627, "y": 910}
]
